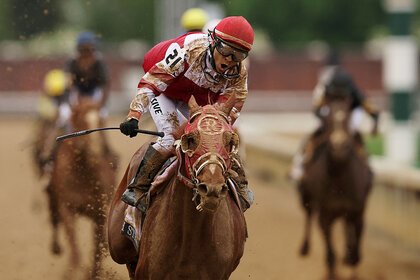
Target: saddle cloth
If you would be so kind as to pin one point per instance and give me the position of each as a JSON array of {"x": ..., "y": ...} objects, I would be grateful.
[{"x": 132, "y": 225}]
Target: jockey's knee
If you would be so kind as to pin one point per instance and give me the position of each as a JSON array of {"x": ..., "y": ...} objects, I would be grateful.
[
  {"x": 165, "y": 144},
  {"x": 246, "y": 196}
]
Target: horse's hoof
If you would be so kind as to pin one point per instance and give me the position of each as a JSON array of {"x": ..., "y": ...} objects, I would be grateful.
[
  {"x": 331, "y": 276},
  {"x": 349, "y": 273},
  {"x": 56, "y": 249},
  {"x": 304, "y": 251},
  {"x": 351, "y": 259}
]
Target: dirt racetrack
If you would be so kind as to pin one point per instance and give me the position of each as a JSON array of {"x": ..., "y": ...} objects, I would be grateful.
[{"x": 275, "y": 223}]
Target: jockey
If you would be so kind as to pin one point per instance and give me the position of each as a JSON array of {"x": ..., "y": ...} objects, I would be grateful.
[
  {"x": 336, "y": 75},
  {"x": 210, "y": 68},
  {"x": 193, "y": 20},
  {"x": 88, "y": 75},
  {"x": 330, "y": 77}
]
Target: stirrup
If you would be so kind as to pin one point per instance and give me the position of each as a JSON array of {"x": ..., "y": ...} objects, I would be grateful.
[
  {"x": 130, "y": 197},
  {"x": 142, "y": 203}
]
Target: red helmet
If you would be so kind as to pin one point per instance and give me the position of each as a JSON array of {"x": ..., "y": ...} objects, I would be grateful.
[{"x": 236, "y": 30}]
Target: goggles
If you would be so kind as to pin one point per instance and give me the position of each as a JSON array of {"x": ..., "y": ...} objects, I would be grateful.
[{"x": 228, "y": 50}]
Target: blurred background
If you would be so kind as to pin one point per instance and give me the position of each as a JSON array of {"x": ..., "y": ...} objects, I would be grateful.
[{"x": 378, "y": 45}]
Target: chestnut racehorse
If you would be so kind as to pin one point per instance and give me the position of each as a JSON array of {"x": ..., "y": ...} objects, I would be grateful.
[
  {"x": 82, "y": 183},
  {"x": 194, "y": 228},
  {"x": 337, "y": 182}
]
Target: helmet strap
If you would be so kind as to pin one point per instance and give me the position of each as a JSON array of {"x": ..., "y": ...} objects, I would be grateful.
[
  {"x": 236, "y": 69},
  {"x": 208, "y": 57}
]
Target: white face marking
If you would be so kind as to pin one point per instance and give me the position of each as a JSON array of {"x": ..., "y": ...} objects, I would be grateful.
[
  {"x": 340, "y": 115},
  {"x": 212, "y": 168}
]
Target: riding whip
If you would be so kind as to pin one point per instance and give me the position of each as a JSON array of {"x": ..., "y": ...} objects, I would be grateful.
[{"x": 84, "y": 132}]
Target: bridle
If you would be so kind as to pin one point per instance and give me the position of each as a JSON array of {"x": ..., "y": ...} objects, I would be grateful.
[{"x": 195, "y": 164}]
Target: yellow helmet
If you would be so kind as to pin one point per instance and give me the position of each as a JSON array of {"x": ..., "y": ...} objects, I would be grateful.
[
  {"x": 55, "y": 82},
  {"x": 194, "y": 19}
]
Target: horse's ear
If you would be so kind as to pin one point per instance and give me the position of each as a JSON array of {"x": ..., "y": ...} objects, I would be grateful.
[
  {"x": 227, "y": 107},
  {"x": 192, "y": 104}
]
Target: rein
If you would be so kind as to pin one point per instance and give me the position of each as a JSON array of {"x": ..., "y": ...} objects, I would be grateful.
[{"x": 191, "y": 183}]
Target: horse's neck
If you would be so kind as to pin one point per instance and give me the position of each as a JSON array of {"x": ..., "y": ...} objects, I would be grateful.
[
  {"x": 86, "y": 150},
  {"x": 179, "y": 202},
  {"x": 92, "y": 143}
]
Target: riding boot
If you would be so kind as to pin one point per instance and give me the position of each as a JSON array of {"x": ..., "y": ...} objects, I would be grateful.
[
  {"x": 237, "y": 172},
  {"x": 136, "y": 193}
]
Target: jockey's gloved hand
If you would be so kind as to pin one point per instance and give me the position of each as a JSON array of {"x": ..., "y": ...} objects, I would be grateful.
[{"x": 129, "y": 127}]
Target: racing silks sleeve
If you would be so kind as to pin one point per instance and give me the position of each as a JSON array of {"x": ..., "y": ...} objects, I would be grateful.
[{"x": 157, "y": 79}]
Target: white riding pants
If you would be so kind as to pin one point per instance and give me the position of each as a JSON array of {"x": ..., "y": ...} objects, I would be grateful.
[
  {"x": 64, "y": 110},
  {"x": 356, "y": 118},
  {"x": 168, "y": 114}
]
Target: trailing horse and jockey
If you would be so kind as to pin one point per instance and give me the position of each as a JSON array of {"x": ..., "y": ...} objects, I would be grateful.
[
  {"x": 85, "y": 76},
  {"x": 335, "y": 177},
  {"x": 333, "y": 78}
]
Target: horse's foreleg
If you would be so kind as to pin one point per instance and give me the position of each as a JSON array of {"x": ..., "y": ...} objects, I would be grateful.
[
  {"x": 354, "y": 229},
  {"x": 99, "y": 238},
  {"x": 55, "y": 219},
  {"x": 69, "y": 222},
  {"x": 325, "y": 222},
  {"x": 304, "y": 250}
]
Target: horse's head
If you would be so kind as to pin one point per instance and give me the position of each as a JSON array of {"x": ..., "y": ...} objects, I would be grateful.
[
  {"x": 85, "y": 114},
  {"x": 207, "y": 146},
  {"x": 338, "y": 102}
]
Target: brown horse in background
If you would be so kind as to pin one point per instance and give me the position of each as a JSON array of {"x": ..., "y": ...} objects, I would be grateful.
[
  {"x": 336, "y": 183},
  {"x": 194, "y": 228},
  {"x": 82, "y": 183}
]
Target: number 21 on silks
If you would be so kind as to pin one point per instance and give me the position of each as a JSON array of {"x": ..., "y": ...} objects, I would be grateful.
[{"x": 174, "y": 58}]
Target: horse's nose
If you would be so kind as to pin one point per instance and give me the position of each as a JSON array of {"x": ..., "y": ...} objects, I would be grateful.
[{"x": 213, "y": 190}]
